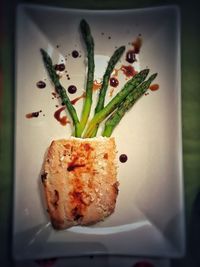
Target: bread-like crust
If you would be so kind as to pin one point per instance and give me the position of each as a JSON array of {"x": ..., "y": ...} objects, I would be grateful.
[{"x": 80, "y": 181}]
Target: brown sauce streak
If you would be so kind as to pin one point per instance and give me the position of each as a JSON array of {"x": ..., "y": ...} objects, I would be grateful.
[
  {"x": 96, "y": 85},
  {"x": 73, "y": 102},
  {"x": 137, "y": 44},
  {"x": 33, "y": 114},
  {"x": 57, "y": 115}
]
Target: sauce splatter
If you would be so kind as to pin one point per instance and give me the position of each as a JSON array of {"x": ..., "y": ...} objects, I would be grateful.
[
  {"x": 137, "y": 44},
  {"x": 111, "y": 92},
  {"x": 33, "y": 114},
  {"x": 96, "y": 85},
  {"x": 72, "y": 89},
  {"x": 130, "y": 56},
  {"x": 77, "y": 98},
  {"x": 57, "y": 115},
  {"x": 75, "y": 53},
  {"x": 128, "y": 71},
  {"x": 60, "y": 67},
  {"x": 154, "y": 87},
  {"x": 123, "y": 158},
  {"x": 41, "y": 84},
  {"x": 54, "y": 94},
  {"x": 114, "y": 82}
]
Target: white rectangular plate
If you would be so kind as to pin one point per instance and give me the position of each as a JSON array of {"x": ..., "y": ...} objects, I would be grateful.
[{"x": 149, "y": 215}]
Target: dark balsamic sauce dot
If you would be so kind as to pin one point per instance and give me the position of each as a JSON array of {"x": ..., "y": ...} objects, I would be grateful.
[
  {"x": 35, "y": 114},
  {"x": 114, "y": 82},
  {"x": 75, "y": 53},
  {"x": 59, "y": 67},
  {"x": 72, "y": 89},
  {"x": 109, "y": 37},
  {"x": 123, "y": 158},
  {"x": 41, "y": 84},
  {"x": 130, "y": 56},
  {"x": 32, "y": 115}
]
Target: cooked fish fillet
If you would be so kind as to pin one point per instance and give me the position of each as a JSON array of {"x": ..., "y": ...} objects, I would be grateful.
[{"x": 80, "y": 181}]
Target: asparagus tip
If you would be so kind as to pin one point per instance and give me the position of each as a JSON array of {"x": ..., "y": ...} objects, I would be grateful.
[
  {"x": 84, "y": 26},
  {"x": 153, "y": 76},
  {"x": 145, "y": 71},
  {"x": 42, "y": 50}
]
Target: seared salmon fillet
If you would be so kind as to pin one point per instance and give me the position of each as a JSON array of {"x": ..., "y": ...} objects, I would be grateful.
[{"x": 80, "y": 180}]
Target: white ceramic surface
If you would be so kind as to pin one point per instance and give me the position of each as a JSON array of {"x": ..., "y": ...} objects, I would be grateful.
[{"x": 149, "y": 215}]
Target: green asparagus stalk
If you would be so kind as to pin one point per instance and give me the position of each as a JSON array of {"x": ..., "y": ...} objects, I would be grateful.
[
  {"x": 129, "y": 101},
  {"x": 60, "y": 90},
  {"x": 111, "y": 64},
  {"x": 102, "y": 93},
  {"x": 112, "y": 105},
  {"x": 87, "y": 37}
]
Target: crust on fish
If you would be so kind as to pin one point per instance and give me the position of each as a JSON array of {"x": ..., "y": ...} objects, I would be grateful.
[{"x": 80, "y": 181}]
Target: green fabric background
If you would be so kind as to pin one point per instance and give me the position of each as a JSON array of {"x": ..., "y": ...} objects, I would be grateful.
[{"x": 190, "y": 46}]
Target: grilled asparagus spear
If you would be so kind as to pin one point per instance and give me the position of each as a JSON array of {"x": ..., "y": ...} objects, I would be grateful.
[
  {"x": 127, "y": 104},
  {"x": 87, "y": 37},
  {"x": 60, "y": 90},
  {"x": 117, "y": 100},
  {"x": 102, "y": 93}
]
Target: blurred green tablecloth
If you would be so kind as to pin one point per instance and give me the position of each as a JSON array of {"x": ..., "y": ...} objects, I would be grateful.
[{"x": 190, "y": 56}]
